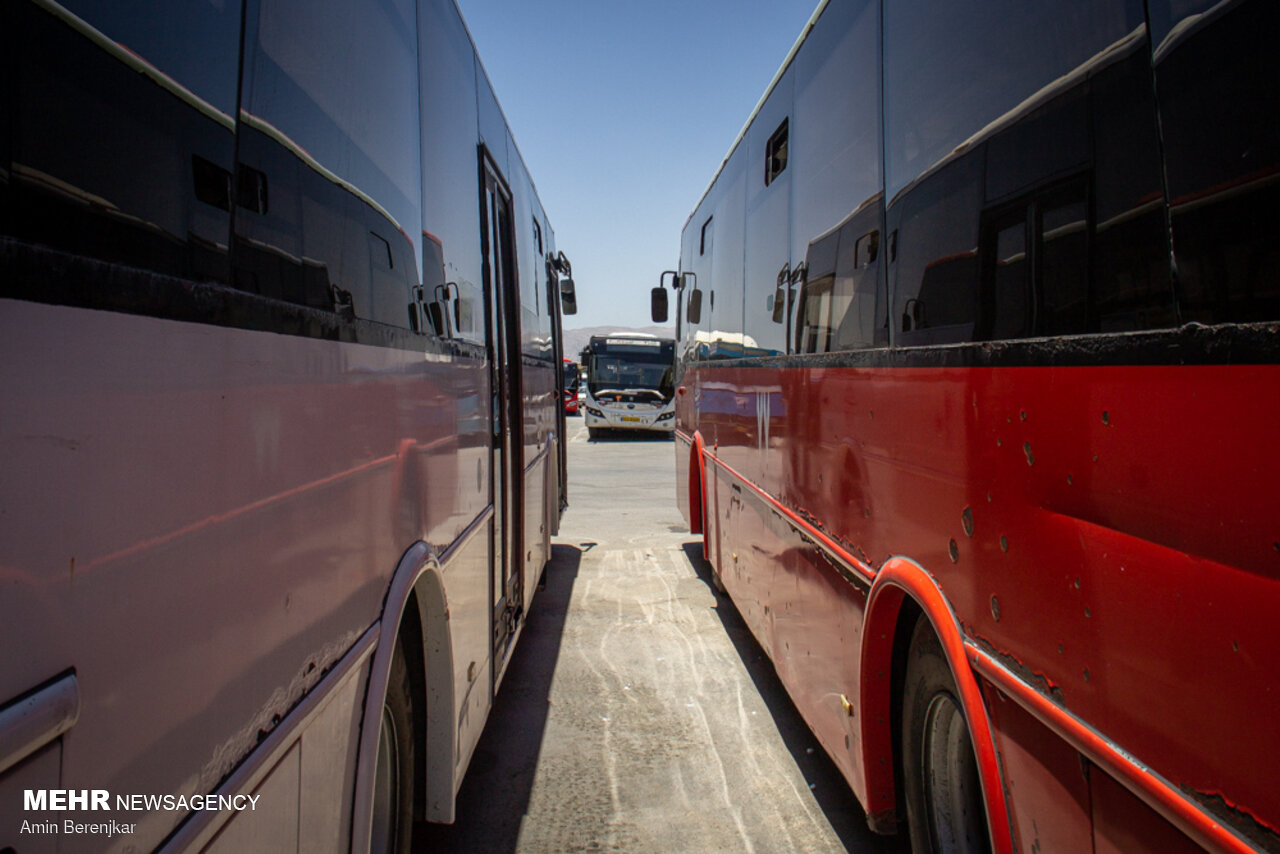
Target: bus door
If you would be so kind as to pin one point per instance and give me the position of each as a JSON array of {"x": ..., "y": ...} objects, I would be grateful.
[
  {"x": 501, "y": 305},
  {"x": 562, "y": 426}
]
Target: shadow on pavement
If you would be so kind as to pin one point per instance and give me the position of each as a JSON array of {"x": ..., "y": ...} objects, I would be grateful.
[
  {"x": 495, "y": 792},
  {"x": 834, "y": 797}
]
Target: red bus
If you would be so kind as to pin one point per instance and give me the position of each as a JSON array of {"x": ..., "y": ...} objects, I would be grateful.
[
  {"x": 282, "y": 438},
  {"x": 977, "y": 428},
  {"x": 572, "y": 383}
]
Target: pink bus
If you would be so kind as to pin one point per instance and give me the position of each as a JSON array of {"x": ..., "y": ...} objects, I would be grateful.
[{"x": 282, "y": 438}]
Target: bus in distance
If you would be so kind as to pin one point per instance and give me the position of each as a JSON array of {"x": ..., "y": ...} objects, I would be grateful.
[
  {"x": 282, "y": 438},
  {"x": 629, "y": 383},
  {"x": 572, "y": 383},
  {"x": 978, "y": 429}
]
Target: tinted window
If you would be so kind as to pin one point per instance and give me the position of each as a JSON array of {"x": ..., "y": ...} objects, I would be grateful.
[
  {"x": 1044, "y": 171},
  {"x": 839, "y": 307},
  {"x": 1062, "y": 232},
  {"x": 837, "y": 95},
  {"x": 933, "y": 248},
  {"x": 820, "y": 306},
  {"x": 1217, "y": 69},
  {"x": 775, "y": 154},
  {"x": 1011, "y": 279},
  {"x": 953, "y": 68},
  {"x": 196, "y": 43},
  {"x": 122, "y": 131},
  {"x": 329, "y": 172},
  {"x": 1129, "y": 243}
]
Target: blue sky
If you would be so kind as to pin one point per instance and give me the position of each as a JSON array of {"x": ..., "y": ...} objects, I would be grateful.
[{"x": 623, "y": 110}]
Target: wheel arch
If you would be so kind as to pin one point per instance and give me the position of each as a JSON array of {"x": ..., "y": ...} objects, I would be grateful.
[
  {"x": 416, "y": 609},
  {"x": 697, "y": 486},
  {"x": 902, "y": 593}
]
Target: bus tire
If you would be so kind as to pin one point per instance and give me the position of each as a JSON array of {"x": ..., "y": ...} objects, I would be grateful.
[
  {"x": 392, "y": 825},
  {"x": 593, "y": 432},
  {"x": 943, "y": 792}
]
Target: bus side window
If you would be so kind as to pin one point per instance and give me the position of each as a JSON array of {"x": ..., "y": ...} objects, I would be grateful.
[
  {"x": 1216, "y": 71},
  {"x": 839, "y": 298},
  {"x": 818, "y": 301},
  {"x": 935, "y": 275},
  {"x": 858, "y": 275},
  {"x": 975, "y": 155},
  {"x": 1007, "y": 304},
  {"x": 337, "y": 143},
  {"x": 102, "y": 160}
]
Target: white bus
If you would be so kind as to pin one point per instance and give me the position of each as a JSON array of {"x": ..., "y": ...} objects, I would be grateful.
[
  {"x": 629, "y": 383},
  {"x": 282, "y": 433}
]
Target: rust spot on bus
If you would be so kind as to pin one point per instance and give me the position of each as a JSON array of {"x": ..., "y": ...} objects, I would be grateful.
[
  {"x": 1262, "y": 836},
  {"x": 1014, "y": 665}
]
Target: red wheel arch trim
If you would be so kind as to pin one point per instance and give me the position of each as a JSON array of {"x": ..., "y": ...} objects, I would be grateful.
[
  {"x": 897, "y": 580},
  {"x": 698, "y": 488}
]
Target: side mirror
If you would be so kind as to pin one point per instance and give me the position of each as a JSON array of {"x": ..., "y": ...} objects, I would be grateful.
[
  {"x": 568, "y": 297},
  {"x": 782, "y": 294},
  {"x": 694, "y": 314},
  {"x": 658, "y": 304},
  {"x": 435, "y": 313},
  {"x": 464, "y": 316}
]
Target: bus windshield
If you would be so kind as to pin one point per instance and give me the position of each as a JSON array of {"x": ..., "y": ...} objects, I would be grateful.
[{"x": 640, "y": 368}]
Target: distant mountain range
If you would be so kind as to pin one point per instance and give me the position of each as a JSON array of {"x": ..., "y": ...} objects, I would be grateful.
[{"x": 576, "y": 339}]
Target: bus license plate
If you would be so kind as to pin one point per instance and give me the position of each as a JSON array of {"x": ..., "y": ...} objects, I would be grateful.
[{"x": 630, "y": 418}]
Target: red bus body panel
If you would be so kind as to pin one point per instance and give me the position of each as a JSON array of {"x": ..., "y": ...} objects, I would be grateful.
[{"x": 1080, "y": 522}]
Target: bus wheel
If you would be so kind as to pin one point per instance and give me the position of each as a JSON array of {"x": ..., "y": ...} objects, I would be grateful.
[
  {"x": 593, "y": 432},
  {"x": 945, "y": 810},
  {"x": 393, "y": 778}
]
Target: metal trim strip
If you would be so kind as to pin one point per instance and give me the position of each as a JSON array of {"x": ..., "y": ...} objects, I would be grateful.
[
  {"x": 1146, "y": 784},
  {"x": 29, "y": 723}
]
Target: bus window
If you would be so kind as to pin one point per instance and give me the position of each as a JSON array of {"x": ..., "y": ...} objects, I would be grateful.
[{"x": 337, "y": 142}]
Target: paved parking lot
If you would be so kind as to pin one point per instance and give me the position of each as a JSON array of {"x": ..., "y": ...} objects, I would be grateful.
[{"x": 638, "y": 713}]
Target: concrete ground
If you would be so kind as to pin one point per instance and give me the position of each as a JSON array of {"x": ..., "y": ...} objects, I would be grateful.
[{"x": 638, "y": 713}]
